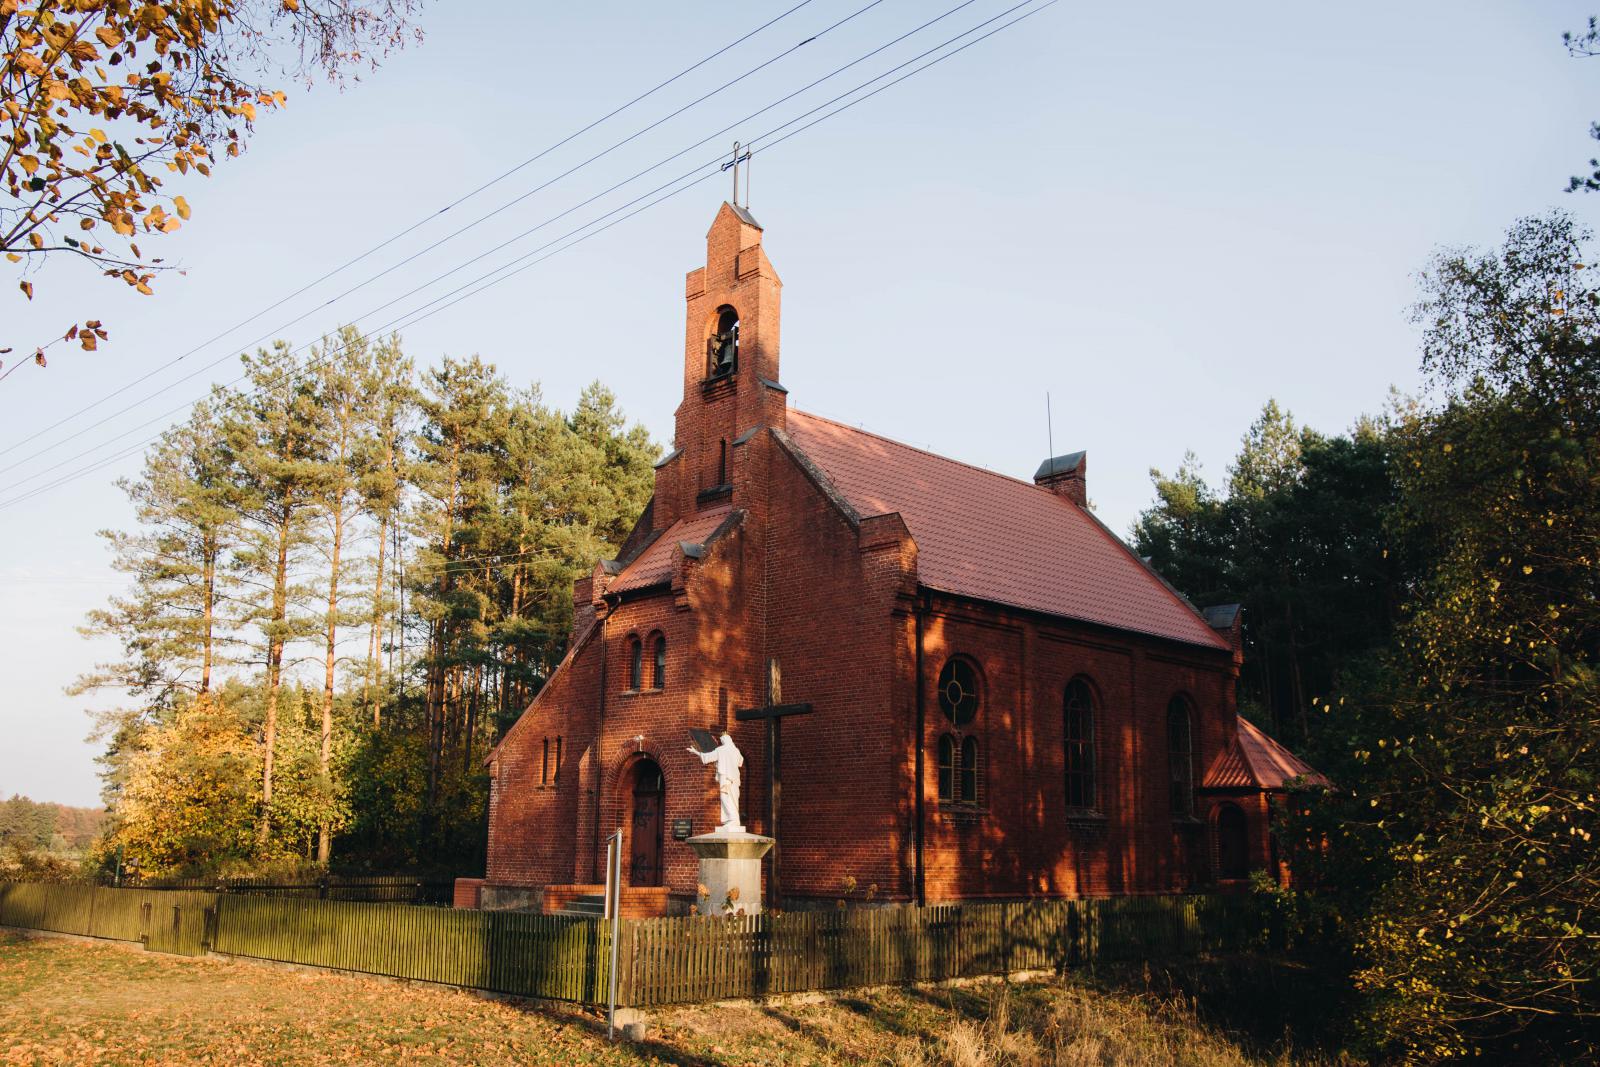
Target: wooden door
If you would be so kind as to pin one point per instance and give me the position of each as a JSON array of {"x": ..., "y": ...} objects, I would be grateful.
[{"x": 645, "y": 863}]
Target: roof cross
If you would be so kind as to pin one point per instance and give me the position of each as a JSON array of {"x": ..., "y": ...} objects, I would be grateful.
[{"x": 740, "y": 155}]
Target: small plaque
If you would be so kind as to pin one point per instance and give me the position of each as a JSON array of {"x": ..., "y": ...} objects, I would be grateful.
[
  {"x": 682, "y": 829},
  {"x": 703, "y": 739}
]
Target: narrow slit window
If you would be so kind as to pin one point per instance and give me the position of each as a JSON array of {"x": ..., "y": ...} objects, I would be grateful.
[
  {"x": 1180, "y": 757},
  {"x": 658, "y": 678},
  {"x": 969, "y": 770},
  {"x": 1079, "y": 744},
  {"x": 636, "y": 665},
  {"x": 947, "y": 767},
  {"x": 544, "y": 768},
  {"x": 557, "y": 775}
]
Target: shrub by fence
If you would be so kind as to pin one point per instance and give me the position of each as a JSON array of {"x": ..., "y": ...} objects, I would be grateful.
[{"x": 661, "y": 961}]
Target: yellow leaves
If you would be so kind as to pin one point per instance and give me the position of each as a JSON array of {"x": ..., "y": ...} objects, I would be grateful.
[
  {"x": 109, "y": 36},
  {"x": 182, "y": 206},
  {"x": 27, "y": 289},
  {"x": 30, "y": 164},
  {"x": 1448, "y": 447},
  {"x": 36, "y": 239},
  {"x": 1527, "y": 569},
  {"x": 13, "y": 257},
  {"x": 291, "y": 5}
]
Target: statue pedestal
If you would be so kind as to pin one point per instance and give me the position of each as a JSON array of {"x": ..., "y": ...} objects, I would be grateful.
[{"x": 730, "y": 861}]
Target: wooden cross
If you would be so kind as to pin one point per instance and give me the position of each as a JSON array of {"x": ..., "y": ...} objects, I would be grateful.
[{"x": 773, "y": 711}]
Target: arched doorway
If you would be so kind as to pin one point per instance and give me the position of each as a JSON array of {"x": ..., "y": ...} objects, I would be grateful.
[
  {"x": 648, "y": 798},
  {"x": 1233, "y": 842}
]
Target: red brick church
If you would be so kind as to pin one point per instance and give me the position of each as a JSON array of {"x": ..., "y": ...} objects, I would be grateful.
[{"x": 947, "y": 683}]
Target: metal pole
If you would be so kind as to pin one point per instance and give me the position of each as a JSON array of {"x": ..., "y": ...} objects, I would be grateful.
[{"x": 614, "y": 906}]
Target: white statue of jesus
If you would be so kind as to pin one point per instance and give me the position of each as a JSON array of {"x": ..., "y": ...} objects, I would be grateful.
[{"x": 728, "y": 760}]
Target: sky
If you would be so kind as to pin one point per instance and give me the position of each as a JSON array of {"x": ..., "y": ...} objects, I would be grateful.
[{"x": 1160, "y": 215}]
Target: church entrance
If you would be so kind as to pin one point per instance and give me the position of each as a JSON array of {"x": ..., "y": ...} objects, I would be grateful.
[{"x": 645, "y": 829}]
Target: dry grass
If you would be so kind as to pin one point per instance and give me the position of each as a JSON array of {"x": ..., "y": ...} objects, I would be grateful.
[{"x": 72, "y": 1002}]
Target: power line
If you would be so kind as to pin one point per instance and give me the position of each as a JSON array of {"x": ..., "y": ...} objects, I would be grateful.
[
  {"x": 408, "y": 316},
  {"x": 512, "y": 240},
  {"x": 277, "y": 331},
  {"x": 429, "y": 218}
]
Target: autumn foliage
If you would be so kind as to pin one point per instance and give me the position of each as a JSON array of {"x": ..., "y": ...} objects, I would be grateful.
[{"x": 103, "y": 101}]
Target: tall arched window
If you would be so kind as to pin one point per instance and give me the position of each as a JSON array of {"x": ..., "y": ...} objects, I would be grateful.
[
  {"x": 947, "y": 767},
  {"x": 1079, "y": 743},
  {"x": 658, "y": 677},
  {"x": 635, "y": 664},
  {"x": 960, "y": 698},
  {"x": 969, "y": 770},
  {"x": 1180, "y": 758}
]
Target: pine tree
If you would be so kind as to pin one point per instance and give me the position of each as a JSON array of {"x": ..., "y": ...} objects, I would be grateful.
[
  {"x": 169, "y": 627},
  {"x": 340, "y": 372},
  {"x": 390, "y": 411},
  {"x": 272, "y": 439}
]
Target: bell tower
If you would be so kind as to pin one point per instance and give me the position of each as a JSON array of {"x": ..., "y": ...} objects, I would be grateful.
[{"x": 730, "y": 363}]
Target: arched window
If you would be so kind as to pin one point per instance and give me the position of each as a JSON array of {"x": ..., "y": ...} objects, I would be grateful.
[
  {"x": 960, "y": 698},
  {"x": 722, "y": 348},
  {"x": 1180, "y": 758},
  {"x": 658, "y": 677},
  {"x": 947, "y": 767},
  {"x": 635, "y": 664},
  {"x": 1079, "y": 742},
  {"x": 1233, "y": 842},
  {"x": 969, "y": 770}
]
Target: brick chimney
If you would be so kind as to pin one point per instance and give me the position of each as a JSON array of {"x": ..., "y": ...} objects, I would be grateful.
[{"x": 1065, "y": 476}]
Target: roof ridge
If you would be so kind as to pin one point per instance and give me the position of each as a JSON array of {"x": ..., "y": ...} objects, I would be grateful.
[{"x": 928, "y": 452}]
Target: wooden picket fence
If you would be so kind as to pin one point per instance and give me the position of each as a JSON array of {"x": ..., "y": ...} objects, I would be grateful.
[
  {"x": 667, "y": 961},
  {"x": 178, "y": 922},
  {"x": 660, "y": 961},
  {"x": 548, "y": 956}
]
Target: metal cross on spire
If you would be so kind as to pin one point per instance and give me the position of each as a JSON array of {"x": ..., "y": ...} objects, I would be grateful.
[{"x": 740, "y": 155}]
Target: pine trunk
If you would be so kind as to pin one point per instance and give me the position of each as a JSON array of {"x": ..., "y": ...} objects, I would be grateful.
[
  {"x": 208, "y": 613},
  {"x": 325, "y": 752},
  {"x": 275, "y": 643},
  {"x": 373, "y": 695}
]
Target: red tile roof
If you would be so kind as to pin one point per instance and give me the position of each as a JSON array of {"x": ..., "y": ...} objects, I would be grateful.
[
  {"x": 654, "y": 565},
  {"x": 1256, "y": 761},
  {"x": 990, "y": 537}
]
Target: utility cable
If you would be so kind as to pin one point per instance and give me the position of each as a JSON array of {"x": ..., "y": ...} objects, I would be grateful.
[
  {"x": 428, "y": 218},
  {"x": 495, "y": 281},
  {"x": 278, "y": 331}
]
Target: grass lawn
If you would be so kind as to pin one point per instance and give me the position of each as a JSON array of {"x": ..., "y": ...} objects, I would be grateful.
[{"x": 73, "y": 1002}]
